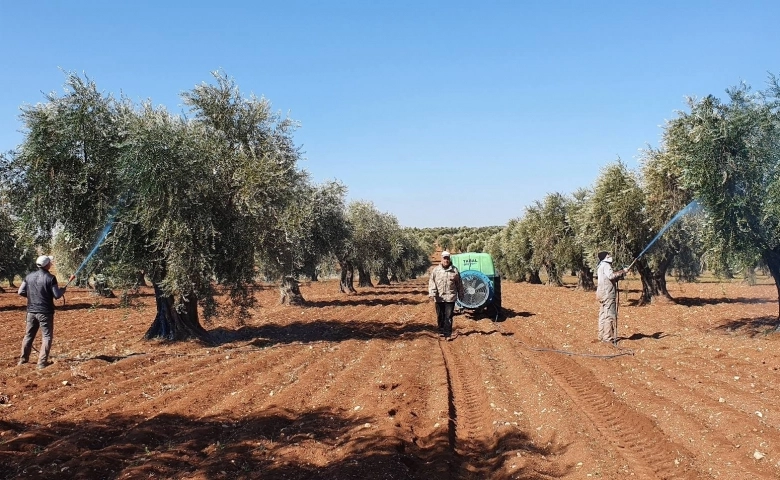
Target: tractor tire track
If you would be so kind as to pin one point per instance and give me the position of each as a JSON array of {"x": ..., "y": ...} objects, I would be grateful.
[
  {"x": 684, "y": 405},
  {"x": 468, "y": 414},
  {"x": 650, "y": 453}
]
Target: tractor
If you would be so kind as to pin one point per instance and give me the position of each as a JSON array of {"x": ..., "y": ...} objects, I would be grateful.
[{"x": 481, "y": 283}]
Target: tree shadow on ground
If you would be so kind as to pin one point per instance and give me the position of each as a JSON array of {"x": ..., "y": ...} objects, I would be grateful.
[
  {"x": 366, "y": 302},
  {"x": 751, "y": 327},
  {"x": 279, "y": 443},
  {"x": 96, "y": 305},
  {"x": 319, "y": 331},
  {"x": 489, "y": 314},
  {"x": 393, "y": 291},
  {"x": 698, "y": 302},
  {"x": 506, "y": 313},
  {"x": 59, "y": 307}
]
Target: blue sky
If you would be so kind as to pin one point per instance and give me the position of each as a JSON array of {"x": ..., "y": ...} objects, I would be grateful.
[{"x": 442, "y": 113}]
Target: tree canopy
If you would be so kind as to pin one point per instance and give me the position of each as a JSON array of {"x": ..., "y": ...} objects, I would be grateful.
[
  {"x": 729, "y": 152},
  {"x": 194, "y": 200}
]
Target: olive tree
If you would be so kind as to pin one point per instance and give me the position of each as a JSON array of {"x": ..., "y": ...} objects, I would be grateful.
[
  {"x": 63, "y": 177},
  {"x": 512, "y": 249},
  {"x": 193, "y": 200},
  {"x": 371, "y": 235},
  {"x": 551, "y": 235},
  {"x": 574, "y": 250},
  {"x": 615, "y": 219},
  {"x": 679, "y": 248},
  {"x": 730, "y": 158},
  {"x": 17, "y": 253}
]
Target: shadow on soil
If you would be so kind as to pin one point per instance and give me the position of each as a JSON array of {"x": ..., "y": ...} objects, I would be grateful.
[
  {"x": 394, "y": 291},
  {"x": 348, "y": 302},
  {"x": 319, "y": 331},
  {"x": 277, "y": 444},
  {"x": 59, "y": 307},
  {"x": 698, "y": 302},
  {"x": 752, "y": 327},
  {"x": 641, "y": 336},
  {"x": 489, "y": 314}
]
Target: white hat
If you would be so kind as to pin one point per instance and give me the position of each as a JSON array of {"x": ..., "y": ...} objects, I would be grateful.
[
  {"x": 445, "y": 253},
  {"x": 43, "y": 260}
]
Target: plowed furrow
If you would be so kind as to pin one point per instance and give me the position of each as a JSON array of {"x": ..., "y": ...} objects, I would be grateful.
[
  {"x": 92, "y": 399},
  {"x": 650, "y": 452},
  {"x": 71, "y": 398},
  {"x": 304, "y": 389},
  {"x": 701, "y": 415},
  {"x": 469, "y": 408}
]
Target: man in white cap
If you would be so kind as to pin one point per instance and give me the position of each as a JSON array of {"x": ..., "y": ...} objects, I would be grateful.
[
  {"x": 606, "y": 293},
  {"x": 41, "y": 289},
  {"x": 444, "y": 287}
]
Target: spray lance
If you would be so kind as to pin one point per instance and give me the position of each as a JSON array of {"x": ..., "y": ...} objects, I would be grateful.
[
  {"x": 103, "y": 234},
  {"x": 694, "y": 206}
]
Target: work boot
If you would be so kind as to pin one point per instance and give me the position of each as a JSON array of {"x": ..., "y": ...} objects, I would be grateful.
[
  {"x": 22, "y": 361},
  {"x": 41, "y": 366}
]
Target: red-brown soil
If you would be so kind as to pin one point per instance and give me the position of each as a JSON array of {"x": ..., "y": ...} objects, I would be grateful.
[{"x": 359, "y": 386}]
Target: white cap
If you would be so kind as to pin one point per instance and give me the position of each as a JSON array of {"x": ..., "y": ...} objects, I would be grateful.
[
  {"x": 445, "y": 253},
  {"x": 43, "y": 260}
]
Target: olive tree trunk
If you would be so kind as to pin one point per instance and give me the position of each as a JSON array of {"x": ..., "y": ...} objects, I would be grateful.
[
  {"x": 653, "y": 282},
  {"x": 290, "y": 292},
  {"x": 311, "y": 272},
  {"x": 347, "y": 280},
  {"x": 585, "y": 279},
  {"x": 364, "y": 277},
  {"x": 383, "y": 277},
  {"x": 176, "y": 322},
  {"x": 553, "y": 274},
  {"x": 772, "y": 260},
  {"x": 534, "y": 278}
]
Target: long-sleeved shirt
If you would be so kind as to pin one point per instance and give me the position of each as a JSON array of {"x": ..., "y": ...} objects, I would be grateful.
[
  {"x": 444, "y": 284},
  {"x": 41, "y": 289},
  {"x": 607, "y": 280}
]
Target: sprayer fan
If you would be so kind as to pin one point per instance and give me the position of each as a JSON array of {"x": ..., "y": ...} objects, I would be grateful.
[{"x": 476, "y": 288}]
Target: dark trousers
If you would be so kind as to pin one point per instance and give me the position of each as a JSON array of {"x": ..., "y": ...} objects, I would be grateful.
[
  {"x": 444, "y": 312},
  {"x": 44, "y": 321}
]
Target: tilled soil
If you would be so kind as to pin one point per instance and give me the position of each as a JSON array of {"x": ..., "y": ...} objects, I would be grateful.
[{"x": 361, "y": 387}]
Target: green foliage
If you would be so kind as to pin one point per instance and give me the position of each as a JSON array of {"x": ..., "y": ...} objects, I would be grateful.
[
  {"x": 456, "y": 239},
  {"x": 17, "y": 253},
  {"x": 512, "y": 250},
  {"x": 551, "y": 235},
  {"x": 730, "y": 156},
  {"x": 196, "y": 199},
  {"x": 681, "y": 246},
  {"x": 614, "y": 217},
  {"x": 65, "y": 170}
]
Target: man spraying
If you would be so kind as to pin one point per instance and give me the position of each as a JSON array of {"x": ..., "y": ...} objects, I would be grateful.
[
  {"x": 606, "y": 293},
  {"x": 41, "y": 289}
]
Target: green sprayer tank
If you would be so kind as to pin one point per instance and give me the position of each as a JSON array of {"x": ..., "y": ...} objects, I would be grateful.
[{"x": 481, "y": 282}]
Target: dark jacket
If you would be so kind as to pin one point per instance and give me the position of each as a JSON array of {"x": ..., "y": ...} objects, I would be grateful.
[{"x": 41, "y": 289}]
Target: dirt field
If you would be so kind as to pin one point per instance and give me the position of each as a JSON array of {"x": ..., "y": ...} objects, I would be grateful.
[{"x": 361, "y": 387}]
